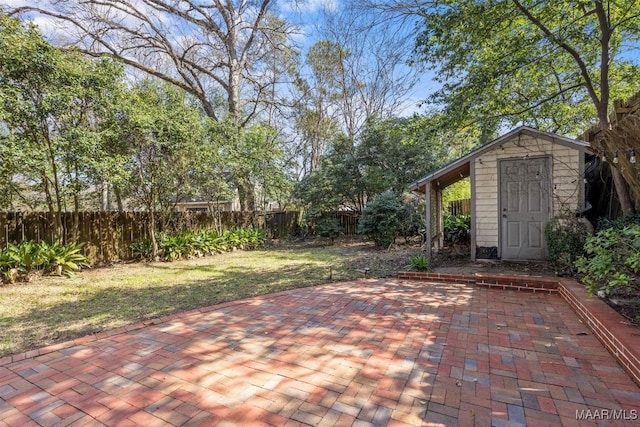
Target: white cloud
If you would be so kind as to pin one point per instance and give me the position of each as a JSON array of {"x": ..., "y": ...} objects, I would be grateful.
[{"x": 10, "y": 4}]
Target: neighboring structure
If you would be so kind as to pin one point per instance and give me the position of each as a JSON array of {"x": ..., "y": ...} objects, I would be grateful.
[
  {"x": 205, "y": 206},
  {"x": 519, "y": 181}
]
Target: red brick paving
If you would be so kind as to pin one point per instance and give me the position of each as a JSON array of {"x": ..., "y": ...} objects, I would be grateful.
[{"x": 385, "y": 352}]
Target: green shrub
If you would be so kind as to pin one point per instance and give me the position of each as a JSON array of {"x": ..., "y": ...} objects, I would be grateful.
[
  {"x": 141, "y": 249},
  {"x": 612, "y": 260},
  {"x": 63, "y": 259},
  {"x": 565, "y": 237},
  {"x": 420, "y": 263},
  {"x": 188, "y": 244},
  {"x": 381, "y": 218},
  {"x": 328, "y": 225},
  {"x": 26, "y": 256},
  {"x": 456, "y": 228},
  {"x": 412, "y": 220},
  {"x": 618, "y": 223},
  {"x": 20, "y": 261}
]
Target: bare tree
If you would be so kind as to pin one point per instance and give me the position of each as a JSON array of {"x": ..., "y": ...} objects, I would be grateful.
[
  {"x": 375, "y": 77},
  {"x": 217, "y": 51},
  {"x": 358, "y": 69}
]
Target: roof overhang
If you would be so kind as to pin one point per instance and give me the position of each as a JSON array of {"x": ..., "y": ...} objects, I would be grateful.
[{"x": 460, "y": 168}]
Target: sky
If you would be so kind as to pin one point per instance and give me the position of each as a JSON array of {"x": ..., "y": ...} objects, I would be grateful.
[{"x": 307, "y": 15}]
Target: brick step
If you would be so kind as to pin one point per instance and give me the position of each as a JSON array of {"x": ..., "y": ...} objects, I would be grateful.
[{"x": 500, "y": 281}]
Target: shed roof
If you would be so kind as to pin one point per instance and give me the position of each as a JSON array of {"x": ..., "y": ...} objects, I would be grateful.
[{"x": 460, "y": 168}]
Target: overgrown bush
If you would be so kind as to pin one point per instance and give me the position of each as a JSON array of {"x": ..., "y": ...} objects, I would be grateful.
[
  {"x": 456, "y": 229},
  {"x": 412, "y": 220},
  {"x": 19, "y": 262},
  {"x": 328, "y": 226},
  {"x": 185, "y": 245},
  {"x": 618, "y": 223},
  {"x": 612, "y": 261},
  {"x": 381, "y": 218},
  {"x": 565, "y": 237}
]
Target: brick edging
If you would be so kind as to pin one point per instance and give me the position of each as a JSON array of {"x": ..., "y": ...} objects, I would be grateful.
[{"x": 617, "y": 334}]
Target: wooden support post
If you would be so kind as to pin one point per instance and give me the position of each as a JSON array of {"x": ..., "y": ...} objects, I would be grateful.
[
  {"x": 472, "y": 230},
  {"x": 427, "y": 194}
]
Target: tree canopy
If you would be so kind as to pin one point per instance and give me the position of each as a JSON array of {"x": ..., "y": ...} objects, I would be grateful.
[
  {"x": 53, "y": 106},
  {"x": 556, "y": 65}
]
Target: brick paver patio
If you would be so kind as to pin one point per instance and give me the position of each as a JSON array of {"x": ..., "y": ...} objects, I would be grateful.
[{"x": 376, "y": 352}]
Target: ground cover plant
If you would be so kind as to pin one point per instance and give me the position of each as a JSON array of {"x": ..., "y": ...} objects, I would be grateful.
[
  {"x": 611, "y": 268},
  {"x": 188, "y": 244},
  {"x": 52, "y": 309},
  {"x": 565, "y": 237},
  {"x": 25, "y": 260}
]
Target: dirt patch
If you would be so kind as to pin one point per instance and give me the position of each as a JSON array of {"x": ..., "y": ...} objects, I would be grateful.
[
  {"x": 627, "y": 305},
  {"x": 459, "y": 262}
]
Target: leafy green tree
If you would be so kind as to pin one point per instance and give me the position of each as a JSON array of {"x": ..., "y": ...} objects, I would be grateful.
[
  {"x": 387, "y": 156},
  {"x": 322, "y": 90},
  {"x": 318, "y": 192},
  {"x": 457, "y": 191},
  {"x": 555, "y": 65},
  {"x": 50, "y": 106},
  {"x": 395, "y": 151},
  {"x": 229, "y": 56},
  {"x": 163, "y": 134},
  {"x": 328, "y": 225}
]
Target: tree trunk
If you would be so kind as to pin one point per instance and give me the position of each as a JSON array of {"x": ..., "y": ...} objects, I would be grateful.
[
  {"x": 76, "y": 217},
  {"x": 621, "y": 186},
  {"x": 76, "y": 203},
  {"x": 246, "y": 194},
  {"x": 104, "y": 201},
  {"x": 56, "y": 221},
  {"x": 622, "y": 190},
  {"x": 152, "y": 234},
  {"x": 118, "y": 194}
]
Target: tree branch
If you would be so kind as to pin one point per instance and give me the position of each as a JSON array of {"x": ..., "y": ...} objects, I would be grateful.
[{"x": 584, "y": 71}]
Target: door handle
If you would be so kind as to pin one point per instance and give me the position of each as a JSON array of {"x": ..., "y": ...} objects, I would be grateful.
[{"x": 504, "y": 215}]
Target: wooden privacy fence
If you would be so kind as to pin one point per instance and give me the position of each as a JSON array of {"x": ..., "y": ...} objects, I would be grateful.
[
  {"x": 460, "y": 207},
  {"x": 348, "y": 222},
  {"x": 108, "y": 235}
]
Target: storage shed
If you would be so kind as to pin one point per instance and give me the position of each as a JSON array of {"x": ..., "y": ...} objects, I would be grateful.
[{"x": 519, "y": 181}]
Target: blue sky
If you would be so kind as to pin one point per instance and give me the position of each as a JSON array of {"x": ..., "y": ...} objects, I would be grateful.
[{"x": 307, "y": 15}]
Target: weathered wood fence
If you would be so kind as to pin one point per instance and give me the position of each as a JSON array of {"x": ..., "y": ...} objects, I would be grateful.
[
  {"x": 108, "y": 235},
  {"x": 349, "y": 222},
  {"x": 460, "y": 207}
]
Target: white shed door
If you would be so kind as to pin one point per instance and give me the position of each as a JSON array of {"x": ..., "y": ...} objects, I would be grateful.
[{"x": 524, "y": 208}]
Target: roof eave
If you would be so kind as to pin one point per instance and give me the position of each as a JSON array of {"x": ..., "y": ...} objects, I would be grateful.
[{"x": 421, "y": 182}]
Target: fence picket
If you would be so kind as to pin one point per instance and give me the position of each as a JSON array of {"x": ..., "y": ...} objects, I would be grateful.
[
  {"x": 108, "y": 235},
  {"x": 460, "y": 207}
]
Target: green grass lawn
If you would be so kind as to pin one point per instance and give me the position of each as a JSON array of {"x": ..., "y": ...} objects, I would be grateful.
[{"x": 53, "y": 309}]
